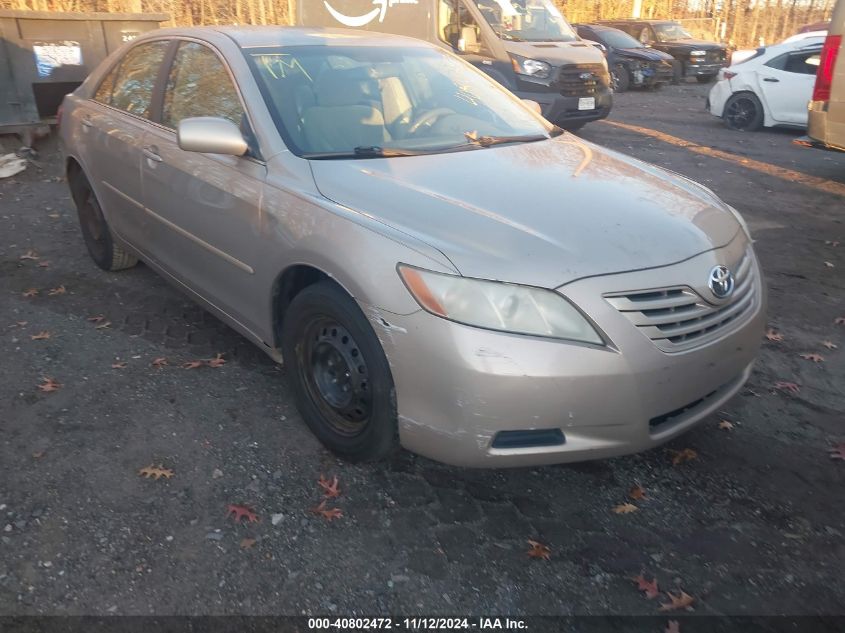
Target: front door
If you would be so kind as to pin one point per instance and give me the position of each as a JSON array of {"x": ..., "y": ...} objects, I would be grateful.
[{"x": 204, "y": 208}]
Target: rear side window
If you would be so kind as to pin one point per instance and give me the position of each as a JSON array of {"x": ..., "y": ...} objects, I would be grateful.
[
  {"x": 199, "y": 85},
  {"x": 803, "y": 63},
  {"x": 136, "y": 77}
]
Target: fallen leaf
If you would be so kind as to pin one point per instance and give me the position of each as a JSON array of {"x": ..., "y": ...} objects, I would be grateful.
[
  {"x": 328, "y": 514},
  {"x": 839, "y": 321},
  {"x": 156, "y": 472},
  {"x": 673, "y": 627},
  {"x": 650, "y": 588},
  {"x": 680, "y": 601},
  {"x": 118, "y": 365},
  {"x": 774, "y": 335},
  {"x": 49, "y": 385},
  {"x": 193, "y": 364},
  {"x": 99, "y": 318},
  {"x": 790, "y": 387},
  {"x": 159, "y": 362},
  {"x": 217, "y": 361},
  {"x": 31, "y": 292},
  {"x": 19, "y": 323},
  {"x": 686, "y": 455},
  {"x": 30, "y": 254},
  {"x": 41, "y": 336},
  {"x": 838, "y": 452},
  {"x": 726, "y": 425},
  {"x": 247, "y": 543},
  {"x": 830, "y": 345},
  {"x": 831, "y": 243},
  {"x": 330, "y": 489},
  {"x": 60, "y": 290},
  {"x": 829, "y": 265},
  {"x": 103, "y": 325},
  {"x": 816, "y": 358},
  {"x": 637, "y": 493},
  {"x": 38, "y": 454},
  {"x": 239, "y": 512},
  {"x": 538, "y": 550},
  {"x": 625, "y": 508},
  {"x": 43, "y": 264}
]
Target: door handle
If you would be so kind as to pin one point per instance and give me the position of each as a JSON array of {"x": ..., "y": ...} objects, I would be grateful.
[
  {"x": 152, "y": 154},
  {"x": 771, "y": 80}
]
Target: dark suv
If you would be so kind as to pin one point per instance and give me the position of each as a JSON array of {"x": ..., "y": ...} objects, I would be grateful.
[{"x": 693, "y": 58}]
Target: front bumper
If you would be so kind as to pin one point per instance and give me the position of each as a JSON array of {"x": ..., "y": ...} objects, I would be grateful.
[
  {"x": 703, "y": 69},
  {"x": 459, "y": 387},
  {"x": 562, "y": 110}
]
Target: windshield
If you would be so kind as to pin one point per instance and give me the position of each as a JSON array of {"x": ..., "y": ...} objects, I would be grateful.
[
  {"x": 378, "y": 101},
  {"x": 619, "y": 39},
  {"x": 669, "y": 32},
  {"x": 526, "y": 20}
]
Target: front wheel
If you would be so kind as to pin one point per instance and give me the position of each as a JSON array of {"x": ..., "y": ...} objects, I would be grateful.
[
  {"x": 339, "y": 373},
  {"x": 620, "y": 78},
  {"x": 743, "y": 112}
]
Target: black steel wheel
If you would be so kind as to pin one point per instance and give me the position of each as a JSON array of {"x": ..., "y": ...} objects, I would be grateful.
[
  {"x": 340, "y": 375},
  {"x": 95, "y": 230},
  {"x": 744, "y": 112}
]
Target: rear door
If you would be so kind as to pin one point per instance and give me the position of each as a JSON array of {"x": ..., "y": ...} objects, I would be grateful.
[
  {"x": 786, "y": 83},
  {"x": 114, "y": 125},
  {"x": 205, "y": 208}
]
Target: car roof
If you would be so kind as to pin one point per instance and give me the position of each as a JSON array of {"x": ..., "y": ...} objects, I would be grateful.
[{"x": 271, "y": 36}]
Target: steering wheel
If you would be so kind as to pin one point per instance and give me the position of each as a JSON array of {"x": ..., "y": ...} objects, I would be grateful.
[{"x": 427, "y": 118}]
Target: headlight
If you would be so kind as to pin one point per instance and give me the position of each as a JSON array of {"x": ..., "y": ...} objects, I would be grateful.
[
  {"x": 698, "y": 53},
  {"x": 498, "y": 306},
  {"x": 530, "y": 67}
]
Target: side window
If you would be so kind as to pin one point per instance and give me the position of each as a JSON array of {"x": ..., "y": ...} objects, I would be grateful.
[
  {"x": 133, "y": 89},
  {"x": 103, "y": 94},
  {"x": 199, "y": 85},
  {"x": 779, "y": 62},
  {"x": 645, "y": 35},
  {"x": 456, "y": 25},
  {"x": 803, "y": 63}
]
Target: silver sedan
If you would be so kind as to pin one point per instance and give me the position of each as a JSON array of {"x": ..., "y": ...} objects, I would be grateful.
[{"x": 439, "y": 266}]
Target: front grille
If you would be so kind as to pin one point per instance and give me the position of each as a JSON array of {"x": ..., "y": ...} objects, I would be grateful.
[
  {"x": 678, "y": 318},
  {"x": 573, "y": 81},
  {"x": 715, "y": 57}
]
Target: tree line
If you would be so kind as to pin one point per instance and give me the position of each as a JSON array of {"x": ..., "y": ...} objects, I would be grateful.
[{"x": 740, "y": 23}]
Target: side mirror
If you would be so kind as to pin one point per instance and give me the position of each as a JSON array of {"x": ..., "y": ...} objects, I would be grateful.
[
  {"x": 533, "y": 105},
  {"x": 212, "y": 135},
  {"x": 469, "y": 41}
]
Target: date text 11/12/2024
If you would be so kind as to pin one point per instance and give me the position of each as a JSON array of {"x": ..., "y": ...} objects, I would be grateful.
[{"x": 417, "y": 624}]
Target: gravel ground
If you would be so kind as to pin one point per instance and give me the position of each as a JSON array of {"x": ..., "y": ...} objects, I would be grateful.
[{"x": 753, "y": 525}]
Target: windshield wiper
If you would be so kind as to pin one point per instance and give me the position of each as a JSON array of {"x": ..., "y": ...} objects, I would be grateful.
[
  {"x": 365, "y": 152},
  {"x": 489, "y": 141}
]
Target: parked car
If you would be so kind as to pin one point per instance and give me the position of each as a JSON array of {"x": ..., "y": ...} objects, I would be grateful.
[
  {"x": 771, "y": 89},
  {"x": 827, "y": 104},
  {"x": 437, "y": 264},
  {"x": 631, "y": 63},
  {"x": 528, "y": 47},
  {"x": 742, "y": 55},
  {"x": 693, "y": 58}
]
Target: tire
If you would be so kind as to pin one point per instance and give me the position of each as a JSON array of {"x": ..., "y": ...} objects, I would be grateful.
[
  {"x": 620, "y": 77},
  {"x": 325, "y": 339},
  {"x": 95, "y": 230},
  {"x": 677, "y": 72},
  {"x": 743, "y": 112},
  {"x": 705, "y": 79}
]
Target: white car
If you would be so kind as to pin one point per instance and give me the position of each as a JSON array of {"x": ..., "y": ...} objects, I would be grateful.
[{"x": 770, "y": 89}]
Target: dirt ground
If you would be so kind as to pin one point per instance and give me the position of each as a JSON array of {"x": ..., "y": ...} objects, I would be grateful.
[{"x": 753, "y": 526}]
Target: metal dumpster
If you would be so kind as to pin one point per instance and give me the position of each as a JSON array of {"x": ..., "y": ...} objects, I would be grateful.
[{"x": 44, "y": 55}]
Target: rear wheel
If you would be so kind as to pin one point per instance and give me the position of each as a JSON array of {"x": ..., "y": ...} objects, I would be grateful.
[
  {"x": 339, "y": 373},
  {"x": 744, "y": 112},
  {"x": 95, "y": 230},
  {"x": 620, "y": 78}
]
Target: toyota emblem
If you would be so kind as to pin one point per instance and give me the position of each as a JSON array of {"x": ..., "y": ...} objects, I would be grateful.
[{"x": 721, "y": 282}]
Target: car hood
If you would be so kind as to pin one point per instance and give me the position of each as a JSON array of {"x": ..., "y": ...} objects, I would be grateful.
[
  {"x": 558, "y": 53},
  {"x": 649, "y": 54},
  {"x": 541, "y": 214}
]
